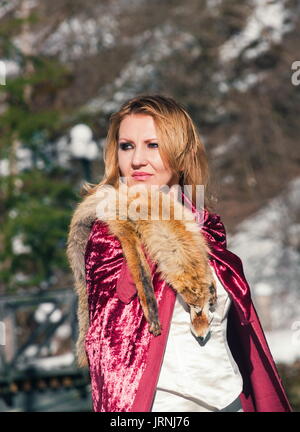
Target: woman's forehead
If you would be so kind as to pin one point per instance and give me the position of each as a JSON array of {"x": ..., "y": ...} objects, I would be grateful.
[{"x": 137, "y": 125}]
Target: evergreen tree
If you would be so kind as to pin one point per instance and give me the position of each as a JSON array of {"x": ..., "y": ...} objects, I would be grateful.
[{"x": 36, "y": 193}]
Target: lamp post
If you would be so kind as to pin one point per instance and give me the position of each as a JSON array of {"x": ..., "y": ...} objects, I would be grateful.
[{"x": 83, "y": 148}]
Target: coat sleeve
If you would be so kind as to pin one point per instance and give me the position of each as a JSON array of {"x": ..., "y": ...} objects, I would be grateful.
[{"x": 106, "y": 270}]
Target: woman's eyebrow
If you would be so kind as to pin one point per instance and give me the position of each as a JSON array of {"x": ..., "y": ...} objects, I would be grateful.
[{"x": 128, "y": 140}]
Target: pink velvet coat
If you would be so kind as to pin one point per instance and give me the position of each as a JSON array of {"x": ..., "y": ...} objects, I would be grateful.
[{"x": 125, "y": 358}]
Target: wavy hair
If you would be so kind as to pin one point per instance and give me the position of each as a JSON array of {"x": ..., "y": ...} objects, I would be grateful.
[{"x": 180, "y": 145}]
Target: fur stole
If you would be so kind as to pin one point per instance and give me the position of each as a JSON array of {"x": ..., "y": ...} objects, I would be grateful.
[{"x": 172, "y": 239}]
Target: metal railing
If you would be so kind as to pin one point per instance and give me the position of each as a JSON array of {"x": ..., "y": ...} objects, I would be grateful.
[{"x": 37, "y": 366}]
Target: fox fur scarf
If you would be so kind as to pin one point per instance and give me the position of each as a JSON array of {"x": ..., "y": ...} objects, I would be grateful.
[{"x": 186, "y": 268}]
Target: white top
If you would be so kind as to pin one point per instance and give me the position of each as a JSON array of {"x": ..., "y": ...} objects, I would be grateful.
[{"x": 204, "y": 371}]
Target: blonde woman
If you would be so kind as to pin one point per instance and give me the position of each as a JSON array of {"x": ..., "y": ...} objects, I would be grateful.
[{"x": 166, "y": 319}]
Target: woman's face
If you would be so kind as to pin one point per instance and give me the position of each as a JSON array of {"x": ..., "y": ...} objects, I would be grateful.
[{"x": 138, "y": 153}]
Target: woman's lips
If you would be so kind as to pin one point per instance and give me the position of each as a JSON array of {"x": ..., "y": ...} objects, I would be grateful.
[{"x": 141, "y": 176}]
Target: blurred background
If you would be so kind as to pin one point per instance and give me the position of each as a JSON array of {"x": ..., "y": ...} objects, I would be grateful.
[{"x": 65, "y": 66}]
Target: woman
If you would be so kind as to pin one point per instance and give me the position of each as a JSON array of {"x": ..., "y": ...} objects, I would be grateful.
[{"x": 225, "y": 363}]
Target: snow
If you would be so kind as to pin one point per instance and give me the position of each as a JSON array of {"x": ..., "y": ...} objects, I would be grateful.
[
  {"x": 20, "y": 277},
  {"x": 77, "y": 37},
  {"x": 4, "y": 167},
  {"x": 230, "y": 145},
  {"x": 266, "y": 24},
  {"x": 2, "y": 333},
  {"x": 43, "y": 310},
  {"x": 263, "y": 289},
  {"x": 248, "y": 81},
  {"x": 48, "y": 363},
  {"x": 63, "y": 152},
  {"x": 31, "y": 351},
  {"x": 18, "y": 245},
  {"x": 267, "y": 245},
  {"x": 24, "y": 158},
  {"x": 64, "y": 331},
  {"x": 213, "y": 3},
  {"x": 55, "y": 316},
  {"x": 7, "y": 6},
  {"x": 150, "y": 48},
  {"x": 284, "y": 346},
  {"x": 9, "y": 68},
  {"x": 13, "y": 213}
]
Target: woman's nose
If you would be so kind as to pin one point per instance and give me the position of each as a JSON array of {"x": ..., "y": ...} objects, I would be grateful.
[{"x": 139, "y": 156}]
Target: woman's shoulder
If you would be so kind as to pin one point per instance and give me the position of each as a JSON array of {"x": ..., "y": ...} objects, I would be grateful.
[
  {"x": 100, "y": 230},
  {"x": 101, "y": 239},
  {"x": 99, "y": 226}
]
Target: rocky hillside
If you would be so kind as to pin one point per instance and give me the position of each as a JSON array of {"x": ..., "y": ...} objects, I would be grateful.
[
  {"x": 68, "y": 62},
  {"x": 228, "y": 62}
]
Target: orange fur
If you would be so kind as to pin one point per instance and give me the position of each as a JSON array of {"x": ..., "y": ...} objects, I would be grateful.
[{"x": 177, "y": 247}]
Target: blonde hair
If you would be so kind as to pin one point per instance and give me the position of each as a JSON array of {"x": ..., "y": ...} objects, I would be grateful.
[{"x": 180, "y": 145}]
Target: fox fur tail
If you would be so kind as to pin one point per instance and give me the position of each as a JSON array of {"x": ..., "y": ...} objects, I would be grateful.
[{"x": 177, "y": 246}]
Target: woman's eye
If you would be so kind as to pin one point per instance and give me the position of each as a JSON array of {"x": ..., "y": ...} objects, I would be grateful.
[{"x": 123, "y": 146}]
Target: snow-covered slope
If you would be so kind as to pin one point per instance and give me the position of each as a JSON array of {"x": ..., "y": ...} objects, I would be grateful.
[
  {"x": 268, "y": 244},
  {"x": 267, "y": 23}
]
